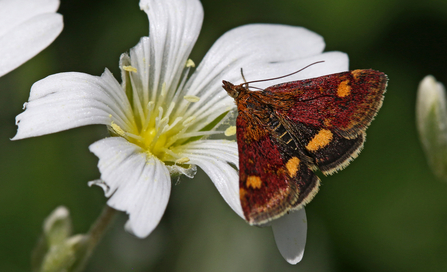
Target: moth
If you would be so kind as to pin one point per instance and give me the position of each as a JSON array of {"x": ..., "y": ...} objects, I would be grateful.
[{"x": 287, "y": 131}]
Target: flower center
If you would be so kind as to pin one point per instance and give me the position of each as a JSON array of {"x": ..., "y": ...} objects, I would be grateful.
[
  {"x": 159, "y": 146},
  {"x": 158, "y": 125},
  {"x": 159, "y": 135}
]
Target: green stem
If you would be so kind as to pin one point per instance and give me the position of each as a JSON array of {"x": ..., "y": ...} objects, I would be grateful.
[{"x": 96, "y": 232}]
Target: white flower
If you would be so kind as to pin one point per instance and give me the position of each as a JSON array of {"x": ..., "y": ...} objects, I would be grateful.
[
  {"x": 26, "y": 28},
  {"x": 158, "y": 115}
]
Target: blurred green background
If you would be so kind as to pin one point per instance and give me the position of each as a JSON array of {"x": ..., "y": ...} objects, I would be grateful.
[{"x": 385, "y": 212}]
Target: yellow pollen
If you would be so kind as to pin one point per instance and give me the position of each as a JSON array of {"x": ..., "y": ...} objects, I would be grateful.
[
  {"x": 182, "y": 160},
  {"x": 344, "y": 89},
  {"x": 254, "y": 181},
  {"x": 130, "y": 69},
  {"x": 191, "y": 98},
  {"x": 230, "y": 131},
  {"x": 118, "y": 130},
  {"x": 190, "y": 63},
  {"x": 292, "y": 166},
  {"x": 320, "y": 140}
]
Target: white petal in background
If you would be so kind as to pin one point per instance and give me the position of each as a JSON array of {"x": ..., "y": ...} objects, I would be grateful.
[
  {"x": 290, "y": 233},
  {"x": 137, "y": 183},
  {"x": 26, "y": 28},
  {"x": 68, "y": 100}
]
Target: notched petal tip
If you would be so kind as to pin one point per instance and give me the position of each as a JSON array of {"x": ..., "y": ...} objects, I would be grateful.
[{"x": 102, "y": 184}]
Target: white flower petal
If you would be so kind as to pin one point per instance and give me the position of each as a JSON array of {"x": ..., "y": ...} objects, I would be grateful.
[
  {"x": 140, "y": 184},
  {"x": 263, "y": 51},
  {"x": 290, "y": 233},
  {"x": 174, "y": 28},
  {"x": 15, "y": 12},
  {"x": 26, "y": 28},
  {"x": 139, "y": 58},
  {"x": 68, "y": 100},
  {"x": 259, "y": 45},
  {"x": 213, "y": 157},
  {"x": 334, "y": 62}
]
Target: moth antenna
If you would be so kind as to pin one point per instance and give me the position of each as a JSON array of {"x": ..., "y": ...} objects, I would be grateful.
[
  {"x": 243, "y": 77},
  {"x": 242, "y": 74},
  {"x": 274, "y": 78}
]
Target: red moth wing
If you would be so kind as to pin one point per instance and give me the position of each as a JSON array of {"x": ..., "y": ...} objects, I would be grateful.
[
  {"x": 271, "y": 181},
  {"x": 330, "y": 114},
  {"x": 345, "y": 102}
]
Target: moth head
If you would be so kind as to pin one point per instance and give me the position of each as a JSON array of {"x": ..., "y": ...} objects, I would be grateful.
[{"x": 233, "y": 90}]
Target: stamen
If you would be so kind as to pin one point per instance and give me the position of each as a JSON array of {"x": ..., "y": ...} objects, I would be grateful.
[
  {"x": 171, "y": 107},
  {"x": 163, "y": 89},
  {"x": 191, "y": 98},
  {"x": 177, "y": 136},
  {"x": 180, "y": 88},
  {"x": 130, "y": 68},
  {"x": 190, "y": 63},
  {"x": 182, "y": 160},
  {"x": 117, "y": 129},
  {"x": 138, "y": 107},
  {"x": 158, "y": 118},
  {"x": 199, "y": 133},
  {"x": 178, "y": 119},
  {"x": 164, "y": 124},
  {"x": 174, "y": 155},
  {"x": 149, "y": 109},
  {"x": 189, "y": 121},
  {"x": 230, "y": 131},
  {"x": 136, "y": 137}
]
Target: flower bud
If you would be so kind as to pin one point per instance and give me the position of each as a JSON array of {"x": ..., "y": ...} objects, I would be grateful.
[{"x": 431, "y": 119}]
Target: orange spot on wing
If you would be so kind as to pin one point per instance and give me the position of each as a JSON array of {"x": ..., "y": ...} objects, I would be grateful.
[
  {"x": 254, "y": 181},
  {"x": 242, "y": 193},
  {"x": 320, "y": 140},
  {"x": 356, "y": 73},
  {"x": 344, "y": 89},
  {"x": 292, "y": 166}
]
